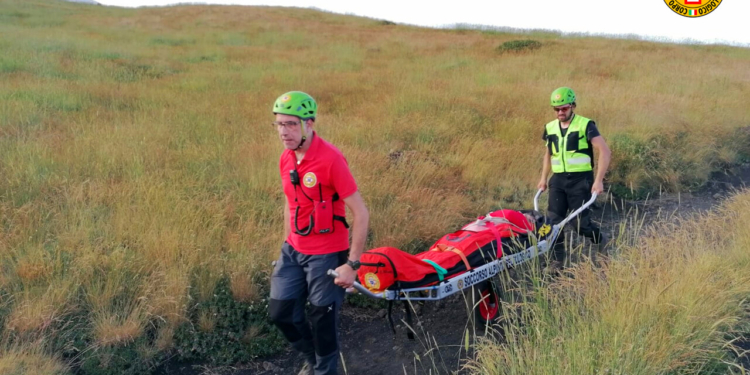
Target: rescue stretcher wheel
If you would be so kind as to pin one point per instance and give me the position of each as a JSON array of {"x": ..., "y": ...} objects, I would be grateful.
[{"x": 488, "y": 303}]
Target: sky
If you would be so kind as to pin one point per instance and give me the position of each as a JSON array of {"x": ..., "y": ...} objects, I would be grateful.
[{"x": 649, "y": 19}]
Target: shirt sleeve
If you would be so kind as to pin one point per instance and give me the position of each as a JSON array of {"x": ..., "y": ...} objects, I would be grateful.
[
  {"x": 544, "y": 135},
  {"x": 591, "y": 130},
  {"x": 342, "y": 179}
]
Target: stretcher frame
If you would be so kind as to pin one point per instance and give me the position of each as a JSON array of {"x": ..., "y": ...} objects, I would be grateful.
[{"x": 474, "y": 276}]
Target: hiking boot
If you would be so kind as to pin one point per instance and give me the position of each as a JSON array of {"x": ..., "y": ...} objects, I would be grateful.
[
  {"x": 554, "y": 268},
  {"x": 307, "y": 369},
  {"x": 603, "y": 245}
]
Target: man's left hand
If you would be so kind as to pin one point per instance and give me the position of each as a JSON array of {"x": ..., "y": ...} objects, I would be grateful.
[
  {"x": 346, "y": 276},
  {"x": 597, "y": 188}
]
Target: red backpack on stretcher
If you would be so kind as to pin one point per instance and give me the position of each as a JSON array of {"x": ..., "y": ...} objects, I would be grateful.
[{"x": 476, "y": 244}]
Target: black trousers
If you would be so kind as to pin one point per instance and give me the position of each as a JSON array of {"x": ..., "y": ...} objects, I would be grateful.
[
  {"x": 567, "y": 193},
  {"x": 297, "y": 279}
]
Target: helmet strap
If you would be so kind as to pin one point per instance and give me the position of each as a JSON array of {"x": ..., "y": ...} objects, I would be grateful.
[
  {"x": 304, "y": 134},
  {"x": 570, "y": 118},
  {"x": 302, "y": 142}
]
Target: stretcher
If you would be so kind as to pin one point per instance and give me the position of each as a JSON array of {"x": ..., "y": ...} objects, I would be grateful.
[{"x": 477, "y": 275}]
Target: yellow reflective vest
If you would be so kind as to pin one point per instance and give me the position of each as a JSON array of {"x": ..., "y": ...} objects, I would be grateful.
[{"x": 570, "y": 153}]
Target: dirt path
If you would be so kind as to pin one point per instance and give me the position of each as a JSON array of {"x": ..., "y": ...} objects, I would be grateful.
[{"x": 370, "y": 348}]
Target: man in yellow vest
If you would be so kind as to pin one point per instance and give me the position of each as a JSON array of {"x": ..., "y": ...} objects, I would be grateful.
[{"x": 571, "y": 140}]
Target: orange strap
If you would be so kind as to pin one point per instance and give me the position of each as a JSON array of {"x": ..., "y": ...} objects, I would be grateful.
[
  {"x": 462, "y": 255},
  {"x": 442, "y": 247}
]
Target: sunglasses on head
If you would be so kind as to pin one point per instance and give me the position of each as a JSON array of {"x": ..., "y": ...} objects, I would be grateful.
[{"x": 562, "y": 109}]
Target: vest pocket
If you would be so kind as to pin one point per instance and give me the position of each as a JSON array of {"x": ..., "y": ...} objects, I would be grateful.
[
  {"x": 572, "y": 141},
  {"x": 552, "y": 140}
]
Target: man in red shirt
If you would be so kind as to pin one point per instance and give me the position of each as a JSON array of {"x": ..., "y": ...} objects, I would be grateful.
[{"x": 317, "y": 184}]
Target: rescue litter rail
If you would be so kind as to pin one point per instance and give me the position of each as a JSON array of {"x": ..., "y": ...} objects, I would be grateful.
[
  {"x": 536, "y": 199},
  {"x": 474, "y": 276}
]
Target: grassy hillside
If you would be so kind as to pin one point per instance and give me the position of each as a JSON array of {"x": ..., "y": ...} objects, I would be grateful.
[{"x": 140, "y": 204}]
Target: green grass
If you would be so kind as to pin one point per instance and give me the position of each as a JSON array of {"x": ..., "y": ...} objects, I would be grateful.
[
  {"x": 519, "y": 45},
  {"x": 140, "y": 187},
  {"x": 673, "y": 301}
]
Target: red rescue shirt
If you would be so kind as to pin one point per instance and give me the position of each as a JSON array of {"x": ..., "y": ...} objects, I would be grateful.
[{"x": 322, "y": 168}]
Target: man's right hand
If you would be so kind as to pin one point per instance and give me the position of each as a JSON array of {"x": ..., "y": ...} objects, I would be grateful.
[{"x": 542, "y": 185}]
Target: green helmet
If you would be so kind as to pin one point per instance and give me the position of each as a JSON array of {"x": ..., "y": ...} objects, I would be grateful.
[
  {"x": 562, "y": 96},
  {"x": 296, "y": 103}
]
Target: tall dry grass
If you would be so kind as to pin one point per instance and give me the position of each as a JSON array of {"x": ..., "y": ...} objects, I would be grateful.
[
  {"x": 672, "y": 303},
  {"x": 139, "y": 167},
  {"x": 30, "y": 361}
]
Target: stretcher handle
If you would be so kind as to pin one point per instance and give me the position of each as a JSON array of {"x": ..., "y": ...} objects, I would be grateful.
[
  {"x": 572, "y": 215},
  {"x": 360, "y": 288},
  {"x": 536, "y": 199},
  {"x": 578, "y": 211}
]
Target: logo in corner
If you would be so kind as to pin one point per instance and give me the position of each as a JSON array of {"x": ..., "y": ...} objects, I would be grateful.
[
  {"x": 693, "y": 8},
  {"x": 309, "y": 179},
  {"x": 371, "y": 281}
]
